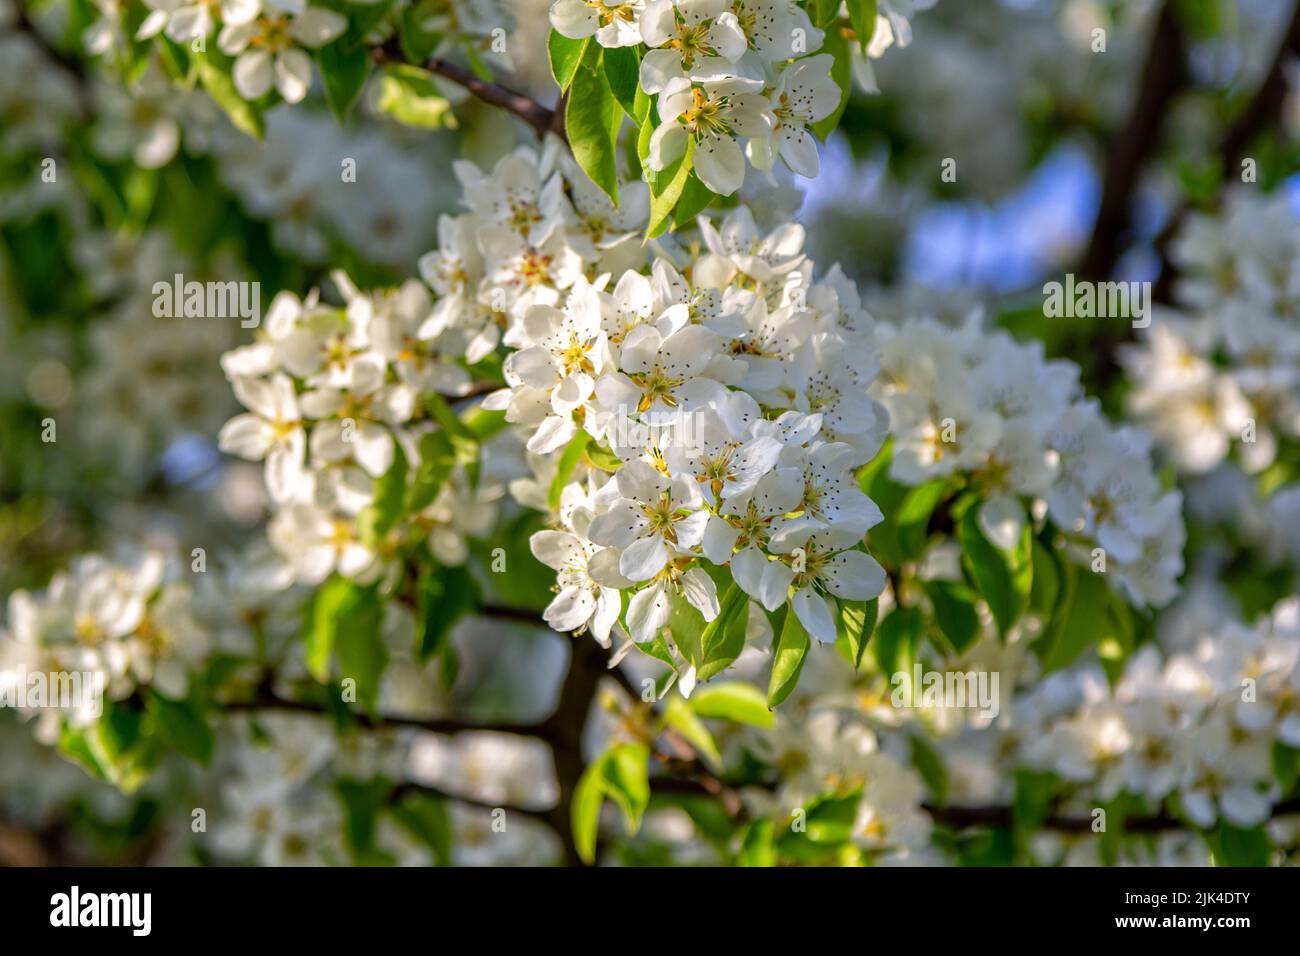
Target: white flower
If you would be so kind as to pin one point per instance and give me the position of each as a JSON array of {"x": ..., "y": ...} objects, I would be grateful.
[
  {"x": 660, "y": 374},
  {"x": 316, "y": 544},
  {"x": 804, "y": 94},
  {"x": 713, "y": 117},
  {"x": 272, "y": 431},
  {"x": 816, "y": 565},
  {"x": 692, "y": 40},
  {"x": 273, "y": 60},
  {"x": 588, "y": 580},
  {"x": 652, "y": 513},
  {"x": 614, "y": 23},
  {"x": 182, "y": 22}
]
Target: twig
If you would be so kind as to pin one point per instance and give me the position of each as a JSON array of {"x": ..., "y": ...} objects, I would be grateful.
[
  {"x": 69, "y": 64},
  {"x": 999, "y": 817},
  {"x": 1163, "y": 76},
  {"x": 408, "y": 788},
  {"x": 540, "y": 118},
  {"x": 1263, "y": 108},
  {"x": 266, "y": 698}
]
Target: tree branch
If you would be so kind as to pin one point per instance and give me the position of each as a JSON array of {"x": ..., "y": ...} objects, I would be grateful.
[
  {"x": 999, "y": 817},
  {"x": 540, "y": 118},
  {"x": 409, "y": 788},
  {"x": 266, "y": 698},
  {"x": 23, "y": 24},
  {"x": 1164, "y": 75},
  {"x": 1264, "y": 108}
]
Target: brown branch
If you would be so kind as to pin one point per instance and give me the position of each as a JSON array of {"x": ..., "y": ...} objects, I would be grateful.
[
  {"x": 265, "y": 698},
  {"x": 540, "y": 118},
  {"x": 999, "y": 817},
  {"x": 587, "y": 665},
  {"x": 1164, "y": 74},
  {"x": 1264, "y": 108},
  {"x": 409, "y": 788},
  {"x": 20, "y": 847},
  {"x": 23, "y": 25}
]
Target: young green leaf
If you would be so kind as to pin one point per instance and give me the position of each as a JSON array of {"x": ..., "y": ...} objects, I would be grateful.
[
  {"x": 565, "y": 56},
  {"x": 1004, "y": 578},
  {"x": 592, "y": 117},
  {"x": 184, "y": 725},
  {"x": 954, "y": 612},
  {"x": 787, "y": 660},
  {"x": 568, "y": 461},
  {"x": 345, "y": 66},
  {"x": 736, "y": 701},
  {"x": 408, "y": 95},
  {"x": 667, "y": 188}
]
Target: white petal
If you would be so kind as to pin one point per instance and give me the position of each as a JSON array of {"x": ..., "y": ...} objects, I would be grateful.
[
  {"x": 644, "y": 558},
  {"x": 253, "y": 74},
  {"x": 814, "y": 614}
]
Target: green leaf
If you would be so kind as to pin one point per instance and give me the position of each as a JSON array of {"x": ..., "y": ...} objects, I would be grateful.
[
  {"x": 437, "y": 462},
  {"x": 853, "y": 625},
  {"x": 564, "y": 470},
  {"x": 1081, "y": 621},
  {"x": 359, "y": 644},
  {"x": 214, "y": 74},
  {"x": 913, "y": 517},
  {"x": 1003, "y": 578},
  {"x": 623, "y": 74},
  {"x": 930, "y": 766},
  {"x": 426, "y": 817},
  {"x": 592, "y": 117},
  {"x": 724, "y": 637},
  {"x": 667, "y": 188},
  {"x": 824, "y": 12},
  {"x": 695, "y": 198},
  {"x": 124, "y": 745},
  {"x": 1046, "y": 590},
  {"x": 787, "y": 660},
  {"x": 1233, "y": 846},
  {"x": 897, "y": 639},
  {"x": 184, "y": 725},
  {"x": 679, "y": 715},
  {"x": 345, "y": 66},
  {"x": 862, "y": 14},
  {"x": 736, "y": 701},
  {"x": 444, "y": 596},
  {"x": 362, "y": 801},
  {"x": 625, "y": 773},
  {"x": 588, "y": 796},
  {"x": 417, "y": 43},
  {"x": 408, "y": 95},
  {"x": 320, "y": 625},
  {"x": 954, "y": 612},
  {"x": 379, "y": 517},
  {"x": 565, "y": 56},
  {"x": 842, "y": 73},
  {"x": 758, "y": 847}
]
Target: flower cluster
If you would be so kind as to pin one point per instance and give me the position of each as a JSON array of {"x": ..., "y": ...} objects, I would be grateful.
[
  {"x": 1199, "y": 723},
  {"x": 266, "y": 38},
  {"x": 719, "y": 404},
  {"x": 1223, "y": 372},
  {"x": 722, "y": 70},
  {"x": 335, "y": 397},
  {"x": 131, "y": 621},
  {"x": 975, "y": 402}
]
